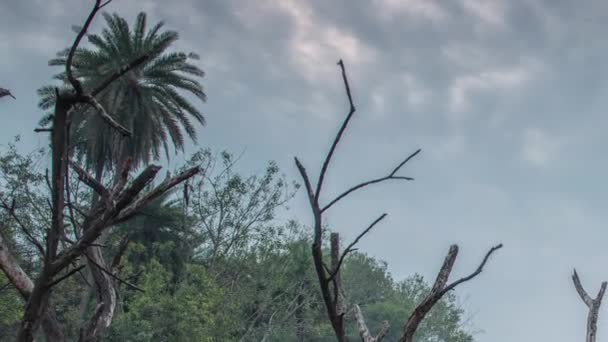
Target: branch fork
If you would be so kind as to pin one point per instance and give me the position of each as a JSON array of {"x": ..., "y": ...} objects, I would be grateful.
[{"x": 329, "y": 277}]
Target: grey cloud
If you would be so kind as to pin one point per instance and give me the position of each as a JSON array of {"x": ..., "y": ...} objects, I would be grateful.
[{"x": 274, "y": 88}]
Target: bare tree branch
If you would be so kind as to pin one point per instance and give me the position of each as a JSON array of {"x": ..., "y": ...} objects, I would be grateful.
[
  {"x": 307, "y": 185},
  {"x": 30, "y": 237},
  {"x": 5, "y": 92},
  {"x": 592, "y": 303},
  {"x": 325, "y": 276},
  {"x": 89, "y": 180},
  {"x": 68, "y": 65},
  {"x": 439, "y": 289},
  {"x": 162, "y": 188},
  {"x": 111, "y": 274},
  {"x": 339, "y": 135},
  {"x": 364, "y": 332},
  {"x": 65, "y": 276},
  {"x": 134, "y": 64},
  {"x": 390, "y": 176},
  {"x": 105, "y": 116},
  {"x": 352, "y": 244}
]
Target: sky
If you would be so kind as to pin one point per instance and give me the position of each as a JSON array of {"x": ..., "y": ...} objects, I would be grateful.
[{"x": 506, "y": 99}]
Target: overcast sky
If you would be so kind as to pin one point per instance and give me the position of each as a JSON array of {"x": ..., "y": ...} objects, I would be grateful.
[{"x": 507, "y": 100}]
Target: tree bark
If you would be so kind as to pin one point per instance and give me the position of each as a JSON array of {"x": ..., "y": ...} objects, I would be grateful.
[
  {"x": 24, "y": 285},
  {"x": 592, "y": 304},
  {"x": 39, "y": 298},
  {"x": 101, "y": 320}
]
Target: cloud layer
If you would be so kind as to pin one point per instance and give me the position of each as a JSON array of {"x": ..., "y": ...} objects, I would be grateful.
[{"x": 506, "y": 98}]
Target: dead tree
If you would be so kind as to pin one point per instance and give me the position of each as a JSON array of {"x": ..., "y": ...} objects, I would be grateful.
[
  {"x": 117, "y": 203},
  {"x": 592, "y": 304},
  {"x": 329, "y": 277}
]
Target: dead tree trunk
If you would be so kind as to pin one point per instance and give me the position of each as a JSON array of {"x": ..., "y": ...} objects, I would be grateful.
[
  {"x": 592, "y": 304},
  {"x": 329, "y": 278}
]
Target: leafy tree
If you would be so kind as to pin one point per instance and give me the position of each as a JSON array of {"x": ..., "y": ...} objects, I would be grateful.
[
  {"x": 369, "y": 284},
  {"x": 230, "y": 211},
  {"x": 146, "y": 100},
  {"x": 167, "y": 313}
]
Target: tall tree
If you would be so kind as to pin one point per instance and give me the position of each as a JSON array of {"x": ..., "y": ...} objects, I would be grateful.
[
  {"x": 148, "y": 100},
  {"x": 117, "y": 204}
]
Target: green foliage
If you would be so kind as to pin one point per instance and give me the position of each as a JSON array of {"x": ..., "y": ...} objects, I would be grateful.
[
  {"x": 215, "y": 264},
  {"x": 147, "y": 100},
  {"x": 11, "y": 309},
  {"x": 164, "y": 312}
]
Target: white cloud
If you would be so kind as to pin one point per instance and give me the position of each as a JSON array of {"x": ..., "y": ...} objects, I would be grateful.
[
  {"x": 491, "y": 12},
  {"x": 463, "y": 87},
  {"x": 414, "y": 9},
  {"x": 538, "y": 147},
  {"x": 415, "y": 94},
  {"x": 315, "y": 45}
]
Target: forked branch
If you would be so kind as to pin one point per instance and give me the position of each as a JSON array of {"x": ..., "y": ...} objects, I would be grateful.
[
  {"x": 351, "y": 246},
  {"x": 390, "y": 176},
  {"x": 364, "y": 332},
  {"x": 439, "y": 290},
  {"x": 327, "y": 277},
  {"x": 592, "y": 303}
]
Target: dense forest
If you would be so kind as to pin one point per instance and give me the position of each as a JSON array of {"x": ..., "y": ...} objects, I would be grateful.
[{"x": 94, "y": 248}]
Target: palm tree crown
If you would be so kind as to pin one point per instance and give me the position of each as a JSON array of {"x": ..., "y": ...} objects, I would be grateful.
[{"x": 146, "y": 100}]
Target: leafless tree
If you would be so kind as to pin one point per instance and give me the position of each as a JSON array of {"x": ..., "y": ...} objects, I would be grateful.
[
  {"x": 117, "y": 203},
  {"x": 592, "y": 303},
  {"x": 329, "y": 277}
]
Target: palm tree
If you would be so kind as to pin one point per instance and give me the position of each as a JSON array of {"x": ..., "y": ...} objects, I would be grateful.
[
  {"x": 149, "y": 100},
  {"x": 146, "y": 100}
]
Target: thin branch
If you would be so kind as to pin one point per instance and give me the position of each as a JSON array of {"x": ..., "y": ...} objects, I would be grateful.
[
  {"x": 78, "y": 210},
  {"x": 123, "y": 206},
  {"x": 30, "y": 237},
  {"x": 307, "y": 184},
  {"x": 122, "y": 248},
  {"x": 439, "y": 290},
  {"x": 68, "y": 197},
  {"x": 89, "y": 180},
  {"x": 45, "y": 130},
  {"x": 405, "y": 162},
  {"x": 581, "y": 291},
  {"x": 338, "y": 135},
  {"x": 134, "y": 64},
  {"x": 134, "y": 287},
  {"x": 67, "y": 275},
  {"x": 106, "y": 117},
  {"x": 68, "y": 65},
  {"x": 105, "y": 4},
  {"x": 477, "y": 271},
  {"x": 352, "y": 244},
  {"x": 390, "y": 176},
  {"x": 165, "y": 186}
]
